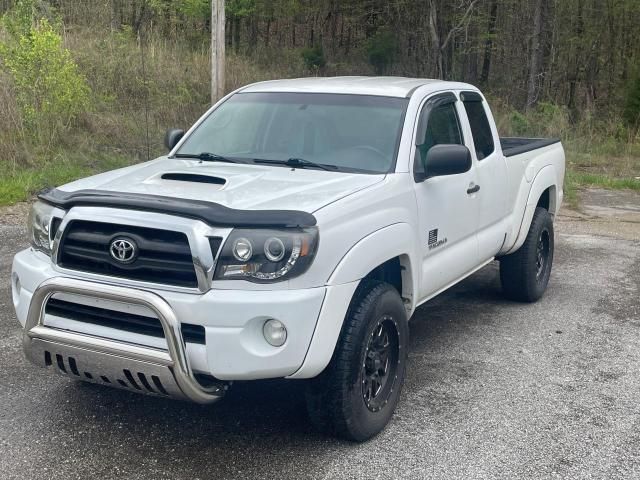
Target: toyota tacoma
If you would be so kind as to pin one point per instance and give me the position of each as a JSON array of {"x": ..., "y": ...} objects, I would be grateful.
[{"x": 290, "y": 233}]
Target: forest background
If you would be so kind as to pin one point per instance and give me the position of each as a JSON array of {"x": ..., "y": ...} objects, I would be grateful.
[{"x": 87, "y": 86}]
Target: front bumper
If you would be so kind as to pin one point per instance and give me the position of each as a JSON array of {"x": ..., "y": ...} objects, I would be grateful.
[
  {"x": 108, "y": 361},
  {"x": 234, "y": 349}
]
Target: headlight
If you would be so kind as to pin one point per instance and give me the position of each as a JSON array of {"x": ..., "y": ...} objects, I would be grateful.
[
  {"x": 40, "y": 219},
  {"x": 265, "y": 256}
]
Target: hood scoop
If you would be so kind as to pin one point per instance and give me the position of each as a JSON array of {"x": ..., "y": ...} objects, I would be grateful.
[{"x": 193, "y": 178}]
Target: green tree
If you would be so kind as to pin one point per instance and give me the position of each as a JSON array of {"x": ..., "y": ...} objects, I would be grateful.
[
  {"x": 381, "y": 50},
  {"x": 631, "y": 112},
  {"x": 196, "y": 9},
  {"x": 237, "y": 11},
  {"x": 314, "y": 58},
  {"x": 50, "y": 89}
]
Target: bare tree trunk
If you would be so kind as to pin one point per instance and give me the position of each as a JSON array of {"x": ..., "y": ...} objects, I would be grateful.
[
  {"x": 236, "y": 34},
  {"x": 438, "y": 45},
  {"x": 253, "y": 34},
  {"x": 138, "y": 18},
  {"x": 217, "y": 50},
  {"x": 347, "y": 45},
  {"x": 116, "y": 15},
  {"x": 488, "y": 44},
  {"x": 591, "y": 75},
  {"x": 470, "y": 72},
  {"x": 435, "y": 39},
  {"x": 574, "y": 70},
  {"x": 267, "y": 34},
  {"x": 535, "y": 56}
]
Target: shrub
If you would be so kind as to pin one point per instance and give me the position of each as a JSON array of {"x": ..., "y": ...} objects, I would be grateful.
[
  {"x": 520, "y": 124},
  {"x": 11, "y": 136},
  {"x": 551, "y": 120},
  {"x": 381, "y": 51},
  {"x": 314, "y": 58},
  {"x": 50, "y": 91}
]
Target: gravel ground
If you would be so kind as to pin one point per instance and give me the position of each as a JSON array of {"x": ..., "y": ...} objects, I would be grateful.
[
  {"x": 494, "y": 390},
  {"x": 15, "y": 215}
]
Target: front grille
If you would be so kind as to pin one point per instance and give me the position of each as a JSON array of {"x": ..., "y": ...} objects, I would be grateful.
[
  {"x": 127, "y": 322},
  {"x": 163, "y": 256}
]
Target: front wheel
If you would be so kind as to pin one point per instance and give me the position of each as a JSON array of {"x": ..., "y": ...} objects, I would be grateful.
[
  {"x": 355, "y": 397},
  {"x": 525, "y": 273}
]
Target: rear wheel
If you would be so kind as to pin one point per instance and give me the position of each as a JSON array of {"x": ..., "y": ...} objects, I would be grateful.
[
  {"x": 355, "y": 397},
  {"x": 525, "y": 273}
]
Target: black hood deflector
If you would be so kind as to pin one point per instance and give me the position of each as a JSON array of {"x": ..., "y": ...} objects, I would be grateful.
[{"x": 211, "y": 213}]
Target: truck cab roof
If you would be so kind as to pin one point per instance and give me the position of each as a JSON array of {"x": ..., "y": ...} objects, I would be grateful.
[{"x": 400, "y": 87}]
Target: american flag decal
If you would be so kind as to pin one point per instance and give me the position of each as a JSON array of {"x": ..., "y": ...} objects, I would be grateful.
[{"x": 433, "y": 236}]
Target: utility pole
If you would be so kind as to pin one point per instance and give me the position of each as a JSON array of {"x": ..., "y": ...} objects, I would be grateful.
[{"x": 217, "y": 50}]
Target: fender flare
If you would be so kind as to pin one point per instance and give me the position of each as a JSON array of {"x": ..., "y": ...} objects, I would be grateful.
[
  {"x": 368, "y": 253},
  {"x": 396, "y": 240},
  {"x": 546, "y": 178}
]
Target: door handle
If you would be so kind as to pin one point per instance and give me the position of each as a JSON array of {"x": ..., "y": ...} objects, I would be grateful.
[{"x": 473, "y": 189}]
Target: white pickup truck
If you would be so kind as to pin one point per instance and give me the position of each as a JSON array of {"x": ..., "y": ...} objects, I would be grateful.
[{"x": 290, "y": 233}]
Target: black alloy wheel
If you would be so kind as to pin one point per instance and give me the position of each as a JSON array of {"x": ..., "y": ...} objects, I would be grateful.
[{"x": 380, "y": 366}]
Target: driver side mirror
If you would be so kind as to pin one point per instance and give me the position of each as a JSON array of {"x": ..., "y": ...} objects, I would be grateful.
[
  {"x": 441, "y": 160},
  {"x": 172, "y": 137}
]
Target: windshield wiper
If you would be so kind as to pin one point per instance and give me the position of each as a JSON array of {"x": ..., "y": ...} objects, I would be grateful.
[
  {"x": 297, "y": 163},
  {"x": 205, "y": 157}
]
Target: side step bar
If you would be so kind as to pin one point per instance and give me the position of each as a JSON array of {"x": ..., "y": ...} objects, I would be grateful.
[{"x": 94, "y": 359}]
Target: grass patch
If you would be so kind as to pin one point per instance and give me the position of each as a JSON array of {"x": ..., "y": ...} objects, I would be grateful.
[
  {"x": 570, "y": 190},
  {"x": 604, "y": 181},
  {"x": 615, "y": 166},
  {"x": 574, "y": 180},
  {"x": 20, "y": 184}
]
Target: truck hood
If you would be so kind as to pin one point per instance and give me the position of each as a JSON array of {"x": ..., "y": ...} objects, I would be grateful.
[{"x": 238, "y": 186}]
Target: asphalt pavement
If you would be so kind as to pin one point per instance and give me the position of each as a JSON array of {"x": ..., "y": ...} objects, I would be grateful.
[{"x": 495, "y": 389}]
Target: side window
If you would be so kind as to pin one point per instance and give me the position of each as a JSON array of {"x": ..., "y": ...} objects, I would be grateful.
[
  {"x": 480, "y": 128},
  {"x": 443, "y": 127}
]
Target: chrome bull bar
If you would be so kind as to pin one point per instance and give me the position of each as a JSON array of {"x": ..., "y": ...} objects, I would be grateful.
[{"x": 170, "y": 366}]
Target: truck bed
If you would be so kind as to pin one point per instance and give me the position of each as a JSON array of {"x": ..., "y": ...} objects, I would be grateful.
[{"x": 516, "y": 145}]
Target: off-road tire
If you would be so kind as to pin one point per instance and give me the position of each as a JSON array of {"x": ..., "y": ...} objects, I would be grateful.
[
  {"x": 339, "y": 400},
  {"x": 523, "y": 277}
]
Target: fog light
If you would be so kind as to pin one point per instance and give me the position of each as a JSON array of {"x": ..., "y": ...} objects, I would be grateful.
[{"x": 275, "y": 333}]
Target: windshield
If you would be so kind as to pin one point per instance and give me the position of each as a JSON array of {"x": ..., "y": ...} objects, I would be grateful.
[{"x": 357, "y": 133}]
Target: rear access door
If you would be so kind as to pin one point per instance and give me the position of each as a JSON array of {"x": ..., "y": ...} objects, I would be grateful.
[{"x": 491, "y": 174}]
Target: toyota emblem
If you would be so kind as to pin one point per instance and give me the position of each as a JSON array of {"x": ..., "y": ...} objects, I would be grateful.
[{"x": 123, "y": 250}]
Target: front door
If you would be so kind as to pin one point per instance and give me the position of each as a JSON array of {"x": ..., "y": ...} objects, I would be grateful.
[{"x": 447, "y": 205}]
